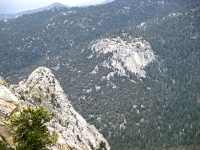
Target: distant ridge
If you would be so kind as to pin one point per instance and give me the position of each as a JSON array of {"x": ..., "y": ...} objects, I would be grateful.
[
  {"x": 107, "y": 1},
  {"x": 93, "y": 3},
  {"x": 43, "y": 8},
  {"x": 10, "y": 16}
]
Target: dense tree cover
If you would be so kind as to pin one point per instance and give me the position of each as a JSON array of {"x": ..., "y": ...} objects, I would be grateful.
[
  {"x": 29, "y": 130},
  {"x": 28, "y": 39},
  {"x": 158, "y": 112}
]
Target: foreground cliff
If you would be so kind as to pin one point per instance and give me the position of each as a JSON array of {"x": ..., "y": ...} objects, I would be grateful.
[{"x": 41, "y": 88}]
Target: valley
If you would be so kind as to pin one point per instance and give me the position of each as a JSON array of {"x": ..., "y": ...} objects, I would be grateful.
[{"x": 129, "y": 67}]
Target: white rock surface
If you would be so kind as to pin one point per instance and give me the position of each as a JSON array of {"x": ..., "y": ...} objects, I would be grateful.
[
  {"x": 8, "y": 101},
  {"x": 8, "y": 106},
  {"x": 133, "y": 54}
]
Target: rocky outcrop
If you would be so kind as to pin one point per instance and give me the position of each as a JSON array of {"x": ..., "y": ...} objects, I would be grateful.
[
  {"x": 8, "y": 106},
  {"x": 131, "y": 54},
  {"x": 8, "y": 102},
  {"x": 41, "y": 88},
  {"x": 3, "y": 82}
]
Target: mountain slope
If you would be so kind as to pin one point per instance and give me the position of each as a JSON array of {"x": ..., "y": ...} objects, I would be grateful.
[
  {"x": 92, "y": 53},
  {"x": 63, "y": 29}
]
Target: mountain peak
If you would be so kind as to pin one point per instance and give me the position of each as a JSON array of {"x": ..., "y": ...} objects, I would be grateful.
[{"x": 42, "y": 88}]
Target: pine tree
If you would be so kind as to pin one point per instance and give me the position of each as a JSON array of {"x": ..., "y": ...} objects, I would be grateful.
[{"x": 29, "y": 130}]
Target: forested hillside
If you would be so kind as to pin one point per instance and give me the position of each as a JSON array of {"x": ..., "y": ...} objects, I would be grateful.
[{"x": 160, "y": 110}]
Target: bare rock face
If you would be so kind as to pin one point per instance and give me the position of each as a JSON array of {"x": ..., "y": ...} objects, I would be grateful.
[
  {"x": 3, "y": 82},
  {"x": 8, "y": 102},
  {"x": 132, "y": 54},
  {"x": 41, "y": 88},
  {"x": 8, "y": 106}
]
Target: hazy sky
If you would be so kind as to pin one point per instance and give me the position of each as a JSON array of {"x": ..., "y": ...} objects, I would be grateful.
[{"x": 23, "y": 5}]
